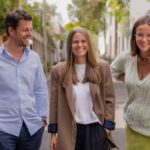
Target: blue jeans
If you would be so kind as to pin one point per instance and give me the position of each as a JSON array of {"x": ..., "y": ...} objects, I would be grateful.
[{"x": 23, "y": 142}]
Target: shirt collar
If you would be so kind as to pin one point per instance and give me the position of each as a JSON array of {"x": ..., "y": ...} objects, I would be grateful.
[
  {"x": 27, "y": 50},
  {"x": 2, "y": 49}
]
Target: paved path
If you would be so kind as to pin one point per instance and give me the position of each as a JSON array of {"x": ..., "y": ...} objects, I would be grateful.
[
  {"x": 119, "y": 133},
  {"x": 121, "y": 97}
]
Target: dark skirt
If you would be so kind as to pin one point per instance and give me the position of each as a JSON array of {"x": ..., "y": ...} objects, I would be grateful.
[{"x": 91, "y": 137}]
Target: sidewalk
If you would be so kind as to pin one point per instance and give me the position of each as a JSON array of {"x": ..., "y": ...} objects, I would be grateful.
[{"x": 121, "y": 97}]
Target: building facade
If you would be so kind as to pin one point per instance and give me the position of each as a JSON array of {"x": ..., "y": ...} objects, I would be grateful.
[{"x": 116, "y": 42}]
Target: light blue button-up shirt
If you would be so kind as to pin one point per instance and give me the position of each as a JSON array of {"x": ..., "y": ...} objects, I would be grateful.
[{"x": 23, "y": 92}]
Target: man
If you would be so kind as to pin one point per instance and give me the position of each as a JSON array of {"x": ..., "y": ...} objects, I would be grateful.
[{"x": 23, "y": 88}]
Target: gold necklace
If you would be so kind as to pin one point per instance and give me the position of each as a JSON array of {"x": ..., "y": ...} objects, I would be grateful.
[{"x": 144, "y": 59}]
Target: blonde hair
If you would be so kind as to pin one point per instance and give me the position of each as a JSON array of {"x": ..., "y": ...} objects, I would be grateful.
[{"x": 92, "y": 73}]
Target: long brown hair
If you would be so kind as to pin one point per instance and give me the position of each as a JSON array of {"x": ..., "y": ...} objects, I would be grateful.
[
  {"x": 92, "y": 73},
  {"x": 141, "y": 21}
]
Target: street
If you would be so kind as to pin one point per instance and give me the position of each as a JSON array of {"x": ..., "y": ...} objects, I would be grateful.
[
  {"x": 119, "y": 133},
  {"x": 121, "y": 97}
]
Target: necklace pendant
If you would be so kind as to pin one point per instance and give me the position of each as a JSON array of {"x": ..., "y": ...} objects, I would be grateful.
[{"x": 145, "y": 60}]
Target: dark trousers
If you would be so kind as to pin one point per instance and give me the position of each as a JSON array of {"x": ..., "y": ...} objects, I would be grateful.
[
  {"x": 91, "y": 137},
  {"x": 23, "y": 142}
]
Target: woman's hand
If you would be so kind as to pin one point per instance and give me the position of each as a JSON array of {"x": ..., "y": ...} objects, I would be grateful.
[
  {"x": 107, "y": 131},
  {"x": 53, "y": 141}
]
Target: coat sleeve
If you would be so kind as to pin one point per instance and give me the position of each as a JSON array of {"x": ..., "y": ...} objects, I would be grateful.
[
  {"x": 109, "y": 97},
  {"x": 53, "y": 107}
]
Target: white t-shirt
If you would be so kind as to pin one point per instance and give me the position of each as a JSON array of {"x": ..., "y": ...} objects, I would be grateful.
[{"x": 84, "y": 113}]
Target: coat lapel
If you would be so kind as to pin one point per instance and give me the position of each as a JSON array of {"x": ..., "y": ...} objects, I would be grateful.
[
  {"x": 70, "y": 99},
  {"x": 92, "y": 89},
  {"x": 97, "y": 104}
]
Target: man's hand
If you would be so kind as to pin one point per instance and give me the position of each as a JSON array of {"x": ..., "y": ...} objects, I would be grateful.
[
  {"x": 53, "y": 141},
  {"x": 44, "y": 120},
  {"x": 107, "y": 131}
]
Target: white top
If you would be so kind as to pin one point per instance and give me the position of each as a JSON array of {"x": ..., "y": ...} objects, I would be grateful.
[
  {"x": 83, "y": 100},
  {"x": 137, "y": 108}
]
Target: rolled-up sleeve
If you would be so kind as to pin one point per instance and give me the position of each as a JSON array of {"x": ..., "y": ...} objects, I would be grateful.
[
  {"x": 53, "y": 107},
  {"x": 109, "y": 97}
]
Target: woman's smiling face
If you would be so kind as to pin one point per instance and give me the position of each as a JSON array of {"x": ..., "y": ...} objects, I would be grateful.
[
  {"x": 142, "y": 38},
  {"x": 79, "y": 46}
]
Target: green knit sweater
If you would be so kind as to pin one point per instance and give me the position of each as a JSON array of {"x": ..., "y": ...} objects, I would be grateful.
[{"x": 137, "y": 107}]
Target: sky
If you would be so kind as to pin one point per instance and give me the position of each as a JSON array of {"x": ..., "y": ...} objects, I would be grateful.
[{"x": 61, "y": 7}]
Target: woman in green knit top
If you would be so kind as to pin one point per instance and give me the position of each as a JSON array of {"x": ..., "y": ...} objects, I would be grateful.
[{"x": 133, "y": 68}]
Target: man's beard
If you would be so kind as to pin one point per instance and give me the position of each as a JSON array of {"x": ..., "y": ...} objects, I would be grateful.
[{"x": 22, "y": 44}]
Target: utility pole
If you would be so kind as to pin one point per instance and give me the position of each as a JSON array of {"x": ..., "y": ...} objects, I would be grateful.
[{"x": 44, "y": 36}]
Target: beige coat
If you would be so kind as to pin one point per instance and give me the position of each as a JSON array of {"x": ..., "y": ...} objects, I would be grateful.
[{"x": 62, "y": 109}]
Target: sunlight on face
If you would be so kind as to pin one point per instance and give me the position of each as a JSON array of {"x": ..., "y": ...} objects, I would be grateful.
[
  {"x": 142, "y": 37},
  {"x": 23, "y": 33},
  {"x": 79, "y": 47}
]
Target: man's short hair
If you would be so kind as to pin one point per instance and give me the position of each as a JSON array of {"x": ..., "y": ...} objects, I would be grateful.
[{"x": 12, "y": 19}]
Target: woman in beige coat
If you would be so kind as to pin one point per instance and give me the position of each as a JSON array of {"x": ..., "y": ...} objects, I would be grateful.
[{"x": 82, "y": 98}]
